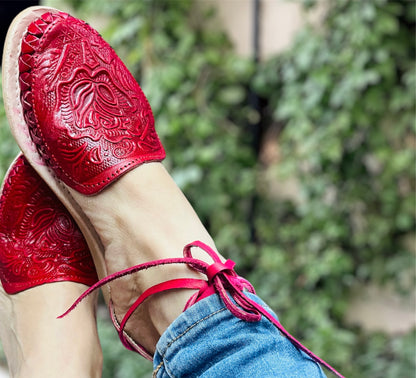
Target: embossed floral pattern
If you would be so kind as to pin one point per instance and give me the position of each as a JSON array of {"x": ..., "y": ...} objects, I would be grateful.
[{"x": 39, "y": 240}]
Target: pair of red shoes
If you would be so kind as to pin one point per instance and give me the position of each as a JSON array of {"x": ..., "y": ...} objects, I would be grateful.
[{"x": 82, "y": 121}]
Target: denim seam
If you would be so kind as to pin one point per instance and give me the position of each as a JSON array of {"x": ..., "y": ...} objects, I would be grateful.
[
  {"x": 157, "y": 369},
  {"x": 195, "y": 324},
  {"x": 183, "y": 333}
]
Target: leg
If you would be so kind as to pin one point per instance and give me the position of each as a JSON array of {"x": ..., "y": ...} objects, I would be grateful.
[
  {"x": 44, "y": 265},
  {"x": 37, "y": 344}
]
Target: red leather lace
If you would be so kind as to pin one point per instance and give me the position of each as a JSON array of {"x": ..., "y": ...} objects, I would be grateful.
[{"x": 222, "y": 279}]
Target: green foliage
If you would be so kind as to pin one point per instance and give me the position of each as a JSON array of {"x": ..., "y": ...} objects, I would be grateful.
[
  {"x": 347, "y": 98},
  {"x": 345, "y": 95},
  {"x": 381, "y": 356},
  {"x": 8, "y": 148},
  {"x": 118, "y": 362}
]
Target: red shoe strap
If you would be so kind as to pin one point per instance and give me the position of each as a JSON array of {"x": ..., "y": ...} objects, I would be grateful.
[{"x": 222, "y": 279}]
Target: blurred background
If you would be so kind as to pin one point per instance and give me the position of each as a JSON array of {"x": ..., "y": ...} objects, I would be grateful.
[{"x": 290, "y": 126}]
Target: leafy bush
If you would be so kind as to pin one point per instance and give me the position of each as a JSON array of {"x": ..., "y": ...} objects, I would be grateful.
[
  {"x": 8, "y": 148},
  {"x": 344, "y": 99},
  {"x": 118, "y": 361}
]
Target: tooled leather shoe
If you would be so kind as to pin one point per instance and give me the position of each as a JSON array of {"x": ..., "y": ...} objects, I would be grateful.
[
  {"x": 102, "y": 123},
  {"x": 39, "y": 241}
]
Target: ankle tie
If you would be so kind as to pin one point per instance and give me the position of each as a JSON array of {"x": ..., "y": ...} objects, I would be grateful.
[{"x": 222, "y": 279}]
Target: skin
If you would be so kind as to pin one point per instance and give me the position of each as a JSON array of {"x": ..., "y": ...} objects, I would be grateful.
[
  {"x": 143, "y": 217},
  {"x": 54, "y": 347}
]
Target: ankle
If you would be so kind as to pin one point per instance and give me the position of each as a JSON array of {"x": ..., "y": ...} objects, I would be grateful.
[{"x": 143, "y": 217}]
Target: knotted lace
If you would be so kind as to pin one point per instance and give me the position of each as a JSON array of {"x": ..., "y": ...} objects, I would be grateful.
[{"x": 221, "y": 279}]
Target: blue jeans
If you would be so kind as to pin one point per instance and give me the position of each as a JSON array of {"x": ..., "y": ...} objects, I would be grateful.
[{"x": 208, "y": 341}]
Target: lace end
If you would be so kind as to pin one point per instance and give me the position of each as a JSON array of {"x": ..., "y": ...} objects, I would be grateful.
[{"x": 70, "y": 309}]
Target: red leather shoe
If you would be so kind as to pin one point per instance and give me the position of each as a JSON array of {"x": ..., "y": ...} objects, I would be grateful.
[
  {"x": 82, "y": 121},
  {"x": 86, "y": 114},
  {"x": 39, "y": 241}
]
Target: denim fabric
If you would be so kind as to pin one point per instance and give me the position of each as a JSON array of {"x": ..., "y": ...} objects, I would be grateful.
[{"x": 208, "y": 341}]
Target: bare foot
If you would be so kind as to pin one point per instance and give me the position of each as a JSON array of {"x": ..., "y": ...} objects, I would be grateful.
[{"x": 142, "y": 217}]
